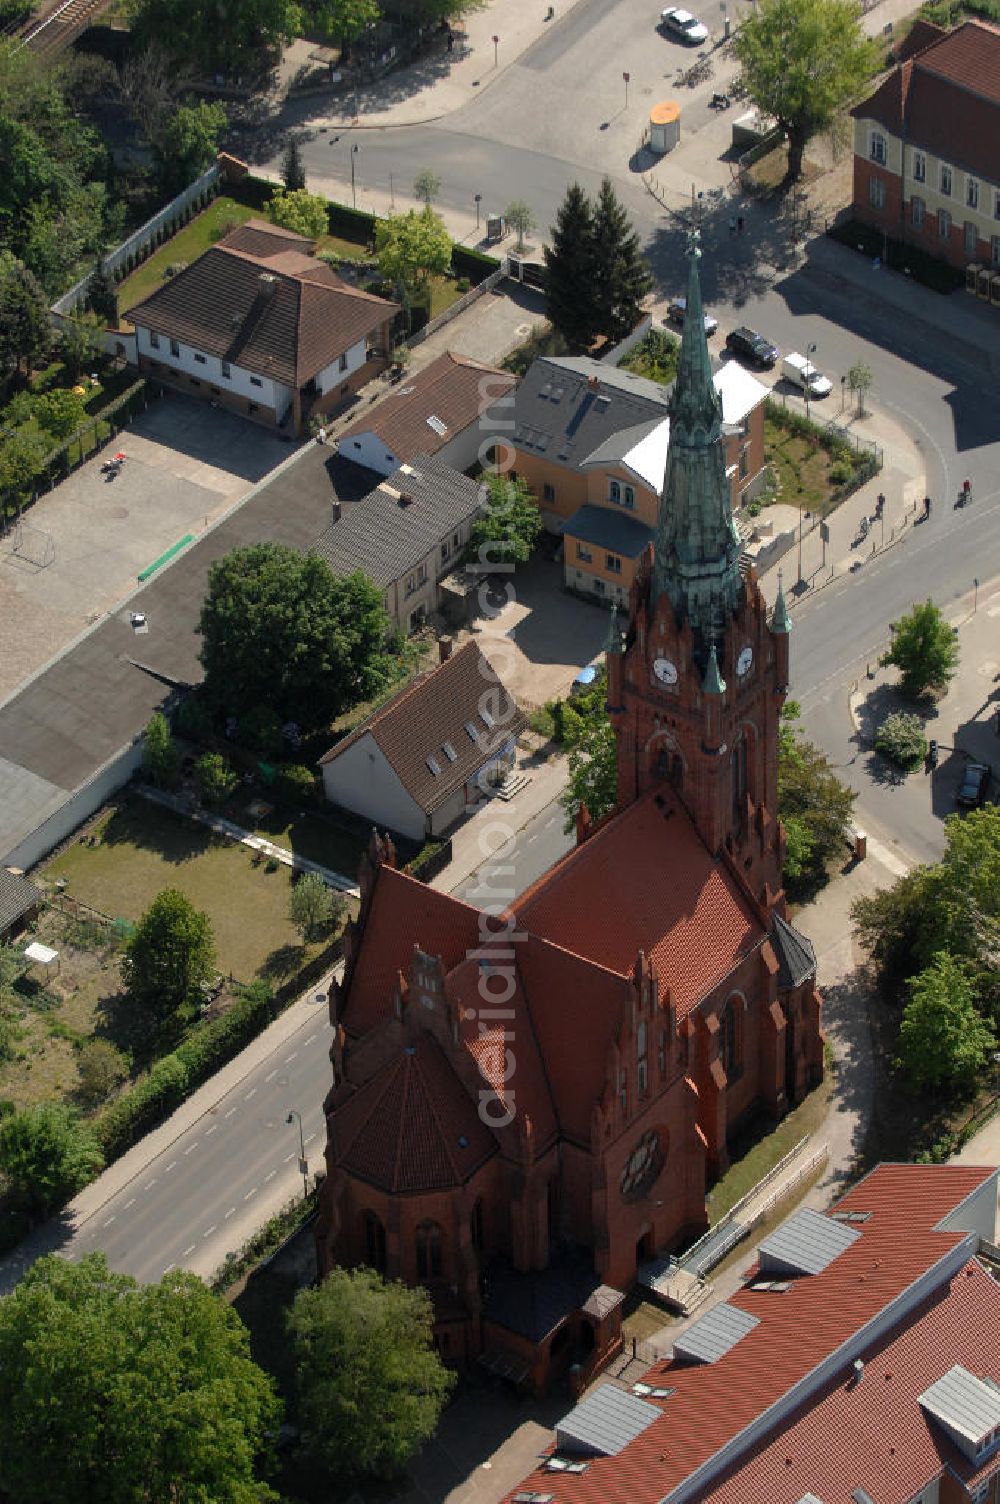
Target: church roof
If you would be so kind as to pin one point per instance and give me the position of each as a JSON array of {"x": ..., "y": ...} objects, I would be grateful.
[
  {"x": 646, "y": 881},
  {"x": 412, "y": 1126},
  {"x": 796, "y": 954}
]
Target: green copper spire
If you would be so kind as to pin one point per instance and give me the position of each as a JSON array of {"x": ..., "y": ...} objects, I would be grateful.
[
  {"x": 697, "y": 542},
  {"x": 781, "y": 621},
  {"x": 713, "y": 683},
  {"x": 614, "y": 642}
]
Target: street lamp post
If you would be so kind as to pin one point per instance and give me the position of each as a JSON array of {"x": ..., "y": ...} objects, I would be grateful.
[
  {"x": 626, "y": 77},
  {"x": 354, "y": 196},
  {"x": 810, "y": 352},
  {"x": 303, "y": 1163},
  {"x": 478, "y": 197},
  {"x": 496, "y": 52}
]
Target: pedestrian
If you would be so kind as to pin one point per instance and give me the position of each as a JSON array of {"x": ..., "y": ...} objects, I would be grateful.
[
  {"x": 740, "y": 222},
  {"x": 321, "y": 436},
  {"x": 732, "y": 224}
]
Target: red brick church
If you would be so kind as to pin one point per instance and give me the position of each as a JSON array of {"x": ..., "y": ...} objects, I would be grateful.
[{"x": 528, "y": 1105}]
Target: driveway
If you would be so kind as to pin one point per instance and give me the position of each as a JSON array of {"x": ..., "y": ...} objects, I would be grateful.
[{"x": 81, "y": 547}]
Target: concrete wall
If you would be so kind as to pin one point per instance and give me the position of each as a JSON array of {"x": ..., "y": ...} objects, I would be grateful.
[
  {"x": 368, "y": 449},
  {"x": 362, "y": 781},
  {"x": 336, "y": 372},
  {"x": 79, "y": 806}
]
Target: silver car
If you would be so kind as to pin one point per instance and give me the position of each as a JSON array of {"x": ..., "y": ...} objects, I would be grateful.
[{"x": 683, "y": 25}]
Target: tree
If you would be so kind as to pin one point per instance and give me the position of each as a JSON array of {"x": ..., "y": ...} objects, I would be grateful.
[
  {"x": 279, "y": 628},
  {"x": 293, "y": 171},
  {"x": 296, "y": 209},
  {"x": 60, "y": 412},
  {"x": 943, "y": 1042},
  {"x": 520, "y": 218},
  {"x": 621, "y": 276},
  {"x": 345, "y": 21},
  {"x": 506, "y": 528},
  {"x": 412, "y": 247},
  {"x": 313, "y": 906},
  {"x": 427, "y": 185},
  {"x": 593, "y": 774},
  {"x": 25, "y": 321},
  {"x": 169, "y": 954},
  {"x": 813, "y": 804},
  {"x": 924, "y": 649},
  {"x": 47, "y": 1154},
  {"x": 101, "y": 1067},
  {"x": 371, "y": 1387},
  {"x": 159, "y": 752},
  {"x": 569, "y": 261},
  {"x": 900, "y": 738},
  {"x": 860, "y": 379},
  {"x": 800, "y": 60},
  {"x": 215, "y": 778},
  {"x": 21, "y": 458},
  {"x": 101, "y": 295},
  {"x": 214, "y": 35},
  {"x": 187, "y": 143},
  {"x": 80, "y": 342},
  {"x": 112, "y": 1391},
  {"x": 151, "y": 82}
]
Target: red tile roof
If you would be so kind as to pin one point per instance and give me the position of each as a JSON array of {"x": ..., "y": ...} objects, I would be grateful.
[
  {"x": 947, "y": 99},
  {"x": 261, "y": 238},
  {"x": 920, "y": 35},
  {"x": 718, "y": 1404},
  {"x": 412, "y": 1126},
  {"x": 450, "y": 389},
  {"x": 646, "y": 881}
]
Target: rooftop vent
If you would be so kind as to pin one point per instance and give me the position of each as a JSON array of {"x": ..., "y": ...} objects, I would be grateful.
[
  {"x": 335, "y": 511},
  {"x": 449, "y": 751},
  {"x": 859, "y": 1370},
  {"x": 267, "y": 284},
  {"x": 434, "y": 766},
  {"x": 439, "y": 428},
  {"x": 593, "y": 383}
]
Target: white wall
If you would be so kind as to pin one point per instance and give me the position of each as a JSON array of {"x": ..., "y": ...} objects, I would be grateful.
[
  {"x": 361, "y": 780},
  {"x": 79, "y": 806},
  {"x": 271, "y": 394},
  {"x": 332, "y": 375},
  {"x": 368, "y": 449}
]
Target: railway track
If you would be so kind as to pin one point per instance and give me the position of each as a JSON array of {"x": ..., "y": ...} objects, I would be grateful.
[{"x": 57, "y": 25}]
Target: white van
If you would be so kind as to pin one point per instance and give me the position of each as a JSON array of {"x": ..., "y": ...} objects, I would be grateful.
[{"x": 800, "y": 371}]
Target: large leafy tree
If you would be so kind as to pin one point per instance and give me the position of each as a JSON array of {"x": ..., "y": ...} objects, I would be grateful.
[
  {"x": 25, "y": 321},
  {"x": 569, "y": 263},
  {"x": 299, "y": 210},
  {"x": 279, "y": 629},
  {"x": 47, "y": 1154},
  {"x": 112, "y": 1392},
  {"x": 344, "y": 21},
  {"x": 169, "y": 954},
  {"x": 313, "y": 906},
  {"x": 293, "y": 171},
  {"x": 371, "y": 1387},
  {"x": 159, "y": 751},
  {"x": 924, "y": 649},
  {"x": 187, "y": 140},
  {"x": 412, "y": 247},
  {"x": 622, "y": 278},
  {"x": 593, "y": 773},
  {"x": 800, "y": 60},
  {"x": 943, "y": 1040},
  {"x": 216, "y": 35},
  {"x": 506, "y": 529},
  {"x": 814, "y": 806}
]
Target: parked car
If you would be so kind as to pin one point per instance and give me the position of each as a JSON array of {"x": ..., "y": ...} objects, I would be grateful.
[
  {"x": 677, "y": 310},
  {"x": 749, "y": 345},
  {"x": 684, "y": 26},
  {"x": 972, "y": 792},
  {"x": 799, "y": 370}
]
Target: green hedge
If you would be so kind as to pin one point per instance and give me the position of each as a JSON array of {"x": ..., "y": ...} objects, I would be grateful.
[
  {"x": 472, "y": 264},
  {"x": 253, "y": 191},
  {"x": 351, "y": 224}
]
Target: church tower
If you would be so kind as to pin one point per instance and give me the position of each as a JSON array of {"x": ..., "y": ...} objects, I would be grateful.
[{"x": 697, "y": 679}]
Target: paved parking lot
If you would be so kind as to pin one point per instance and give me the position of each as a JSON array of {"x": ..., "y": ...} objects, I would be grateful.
[{"x": 187, "y": 463}]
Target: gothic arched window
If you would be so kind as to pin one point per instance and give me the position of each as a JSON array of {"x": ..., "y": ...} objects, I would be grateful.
[
  {"x": 374, "y": 1242},
  {"x": 739, "y": 775},
  {"x": 731, "y": 1040},
  {"x": 429, "y": 1250}
]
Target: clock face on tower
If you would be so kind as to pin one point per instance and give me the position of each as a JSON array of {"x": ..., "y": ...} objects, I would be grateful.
[
  {"x": 744, "y": 662},
  {"x": 665, "y": 671}
]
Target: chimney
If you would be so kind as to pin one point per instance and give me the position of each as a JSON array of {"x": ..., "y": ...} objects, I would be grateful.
[
  {"x": 335, "y": 511},
  {"x": 859, "y": 1370},
  {"x": 593, "y": 383},
  {"x": 267, "y": 284},
  {"x": 445, "y": 646}
]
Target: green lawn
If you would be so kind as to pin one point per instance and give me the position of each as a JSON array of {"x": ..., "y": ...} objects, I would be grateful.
[
  {"x": 802, "y": 467},
  {"x": 309, "y": 836},
  {"x": 349, "y": 250},
  {"x": 187, "y": 245},
  {"x": 143, "y": 849},
  {"x": 763, "y": 1154}
]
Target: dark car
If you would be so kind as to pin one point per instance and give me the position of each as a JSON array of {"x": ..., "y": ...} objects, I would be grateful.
[
  {"x": 678, "y": 309},
  {"x": 749, "y": 345},
  {"x": 974, "y": 785}
]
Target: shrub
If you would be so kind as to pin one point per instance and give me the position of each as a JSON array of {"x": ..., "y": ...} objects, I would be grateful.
[
  {"x": 841, "y": 471},
  {"x": 297, "y": 783},
  {"x": 101, "y": 1068},
  {"x": 901, "y": 738},
  {"x": 216, "y": 779}
]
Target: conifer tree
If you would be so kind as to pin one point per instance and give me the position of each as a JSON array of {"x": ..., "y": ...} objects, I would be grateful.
[
  {"x": 621, "y": 273},
  {"x": 293, "y": 172},
  {"x": 570, "y": 265}
]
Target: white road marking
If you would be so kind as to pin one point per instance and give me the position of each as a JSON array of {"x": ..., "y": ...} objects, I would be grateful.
[
  {"x": 250, "y": 1193},
  {"x": 270, "y": 1176},
  {"x": 532, "y": 838},
  {"x": 291, "y": 1056},
  {"x": 170, "y": 1166},
  {"x": 230, "y": 1213},
  {"x": 210, "y": 1231},
  {"x": 230, "y": 1112},
  {"x": 251, "y": 1093},
  {"x": 310, "y": 1138},
  {"x": 310, "y": 1039},
  {"x": 271, "y": 1074},
  {"x": 128, "y": 1204},
  {"x": 169, "y": 1267},
  {"x": 211, "y": 1130},
  {"x": 191, "y": 1147},
  {"x": 188, "y": 1250},
  {"x": 149, "y": 1183},
  {"x": 288, "y": 1157},
  {"x": 108, "y": 1222}
]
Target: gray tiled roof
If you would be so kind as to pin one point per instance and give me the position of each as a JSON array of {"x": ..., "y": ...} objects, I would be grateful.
[
  {"x": 609, "y": 527},
  {"x": 617, "y": 446},
  {"x": 605, "y": 1422},
  {"x": 385, "y": 537},
  {"x": 805, "y": 1243},
  {"x": 715, "y": 1333},
  {"x": 963, "y": 1403},
  {"x": 17, "y": 896},
  {"x": 559, "y": 415}
]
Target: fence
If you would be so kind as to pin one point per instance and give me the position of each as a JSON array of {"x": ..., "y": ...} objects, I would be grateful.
[{"x": 487, "y": 285}]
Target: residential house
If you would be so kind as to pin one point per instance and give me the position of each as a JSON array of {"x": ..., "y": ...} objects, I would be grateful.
[
  {"x": 592, "y": 442},
  {"x": 20, "y": 901},
  {"x": 455, "y": 408},
  {"x": 856, "y": 1362},
  {"x": 406, "y": 535},
  {"x": 927, "y": 147},
  {"x": 258, "y": 324},
  {"x": 432, "y": 752}
]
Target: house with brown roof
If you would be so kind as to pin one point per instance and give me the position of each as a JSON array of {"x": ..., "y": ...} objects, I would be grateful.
[
  {"x": 450, "y": 409},
  {"x": 927, "y": 146},
  {"x": 258, "y": 324},
  {"x": 433, "y": 752}
]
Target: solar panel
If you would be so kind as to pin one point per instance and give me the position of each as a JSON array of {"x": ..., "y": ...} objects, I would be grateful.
[
  {"x": 434, "y": 766},
  {"x": 449, "y": 751}
]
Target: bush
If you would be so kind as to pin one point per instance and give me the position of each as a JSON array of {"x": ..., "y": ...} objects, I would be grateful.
[
  {"x": 462, "y": 285},
  {"x": 216, "y": 779},
  {"x": 841, "y": 471},
  {"x": 901, "y": 738},
  {"x": 475, "y": 265},
  {"x": 298, "y": 784},
  {"x": 101, "y": 1068}
]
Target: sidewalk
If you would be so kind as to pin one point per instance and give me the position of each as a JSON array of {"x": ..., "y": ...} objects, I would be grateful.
[{"x": 485, "y": 833}]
